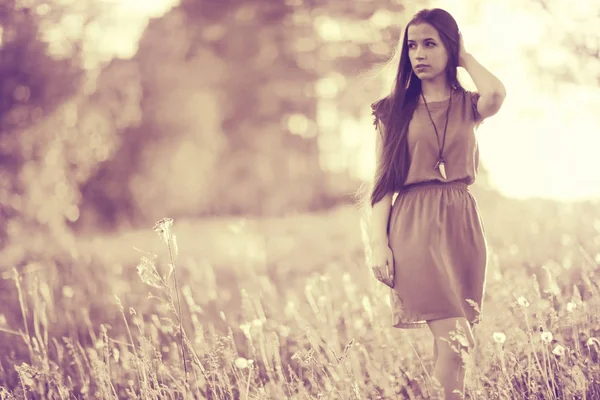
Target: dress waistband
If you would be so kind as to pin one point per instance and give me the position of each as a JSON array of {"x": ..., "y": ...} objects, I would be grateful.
[{"x": 429, "y": 184}]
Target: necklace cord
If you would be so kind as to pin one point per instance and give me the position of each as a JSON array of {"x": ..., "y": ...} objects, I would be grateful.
[{"x": 437, "y": 136}]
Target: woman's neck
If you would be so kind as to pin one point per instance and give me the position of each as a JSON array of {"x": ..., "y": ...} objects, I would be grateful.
[{"x": 437, "y": 90}]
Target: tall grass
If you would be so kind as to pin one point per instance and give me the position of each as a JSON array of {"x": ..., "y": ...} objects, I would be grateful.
[{"x": 264, "y": 330}]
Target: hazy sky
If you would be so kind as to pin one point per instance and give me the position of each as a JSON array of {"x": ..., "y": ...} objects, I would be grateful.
[{"x": 541, "y": 143}]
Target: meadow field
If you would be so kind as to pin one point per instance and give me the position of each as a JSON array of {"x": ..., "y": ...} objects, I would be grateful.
[{"x": 285, "y": 308}]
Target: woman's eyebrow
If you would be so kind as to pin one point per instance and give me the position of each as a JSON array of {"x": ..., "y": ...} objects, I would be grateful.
[{"x": 423, "y": 40}]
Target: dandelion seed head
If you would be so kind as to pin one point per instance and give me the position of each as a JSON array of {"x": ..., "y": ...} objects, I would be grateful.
[
  {"x": 499, "y": 337},
  {"x": 546, "y": 337},
  {"x": 523, "y": 301},
  {"x": 592, "y": 341},
  {"x": 241, "y": 363},
  {"x": 558, "y": 350}
]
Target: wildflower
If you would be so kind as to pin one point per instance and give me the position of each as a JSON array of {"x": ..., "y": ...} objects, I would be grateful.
[
  {"x": 559, "y": 350},
  {"x": 523, "y": 301},
  {"x": 546, "y": 337},
  {"x": 163, "y": 228},
  {"x": 571, "y": 306},
  {"x": 592, "y": 341},
  {"x": 499, "y": 337}
]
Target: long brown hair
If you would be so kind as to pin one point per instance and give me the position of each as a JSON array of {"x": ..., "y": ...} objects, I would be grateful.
[{"x": 396, "y": 110}]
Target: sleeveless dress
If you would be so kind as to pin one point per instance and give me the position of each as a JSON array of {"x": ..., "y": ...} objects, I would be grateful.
[{"x": 435, "y": 231}]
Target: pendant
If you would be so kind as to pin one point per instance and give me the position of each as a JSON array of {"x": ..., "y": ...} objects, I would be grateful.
[{"x": 441, "y": 166}]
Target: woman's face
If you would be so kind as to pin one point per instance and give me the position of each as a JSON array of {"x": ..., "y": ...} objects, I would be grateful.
[{"x": 427, "y": 53}]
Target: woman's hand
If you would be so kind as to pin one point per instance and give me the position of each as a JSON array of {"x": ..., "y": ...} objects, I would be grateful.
[
  {"x": 491, "y": 90},
  {"x": 382, "y": 264},
  {"x": 462, "y": 52}
]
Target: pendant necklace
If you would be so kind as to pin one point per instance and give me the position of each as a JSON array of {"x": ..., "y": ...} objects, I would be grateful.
[{"x": 441, "y": 163}]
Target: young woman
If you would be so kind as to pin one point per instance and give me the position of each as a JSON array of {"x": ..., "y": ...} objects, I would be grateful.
[{"x": 429, "y": 245}]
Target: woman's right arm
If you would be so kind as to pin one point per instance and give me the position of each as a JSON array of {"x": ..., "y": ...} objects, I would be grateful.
[{"x": 381, "y": 210}]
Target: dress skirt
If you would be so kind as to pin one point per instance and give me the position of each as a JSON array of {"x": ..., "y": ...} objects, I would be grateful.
[{"x": 440, "y": 254}]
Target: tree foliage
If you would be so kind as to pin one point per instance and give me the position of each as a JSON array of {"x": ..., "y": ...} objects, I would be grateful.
[
  {"x": 230, "y": 109},
  {"x": 227, "y": 108}
]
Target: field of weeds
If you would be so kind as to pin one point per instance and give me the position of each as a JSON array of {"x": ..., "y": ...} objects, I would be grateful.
[{"x": 286, "y": 308}]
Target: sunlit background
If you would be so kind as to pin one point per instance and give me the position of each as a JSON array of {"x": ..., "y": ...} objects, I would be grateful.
[
  {"x": 249, "y": 123},
  {"x": 542, "y": 144}
]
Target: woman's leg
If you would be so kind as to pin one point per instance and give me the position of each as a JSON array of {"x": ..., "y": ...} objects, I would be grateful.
[{"x": 450, "y": 366}]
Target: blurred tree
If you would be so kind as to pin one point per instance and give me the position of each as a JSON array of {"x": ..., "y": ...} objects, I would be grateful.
[
  {"x": 32, "y": 86},
  {"x": 231, "y": 121},
  {"x": 57, "y": 123}
]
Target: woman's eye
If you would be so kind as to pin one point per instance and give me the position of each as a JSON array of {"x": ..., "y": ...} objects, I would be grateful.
[{"x": 429, "y": 44}]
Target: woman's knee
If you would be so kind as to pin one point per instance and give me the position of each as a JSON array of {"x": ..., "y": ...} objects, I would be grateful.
[{"x": 451, "y": 354}]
